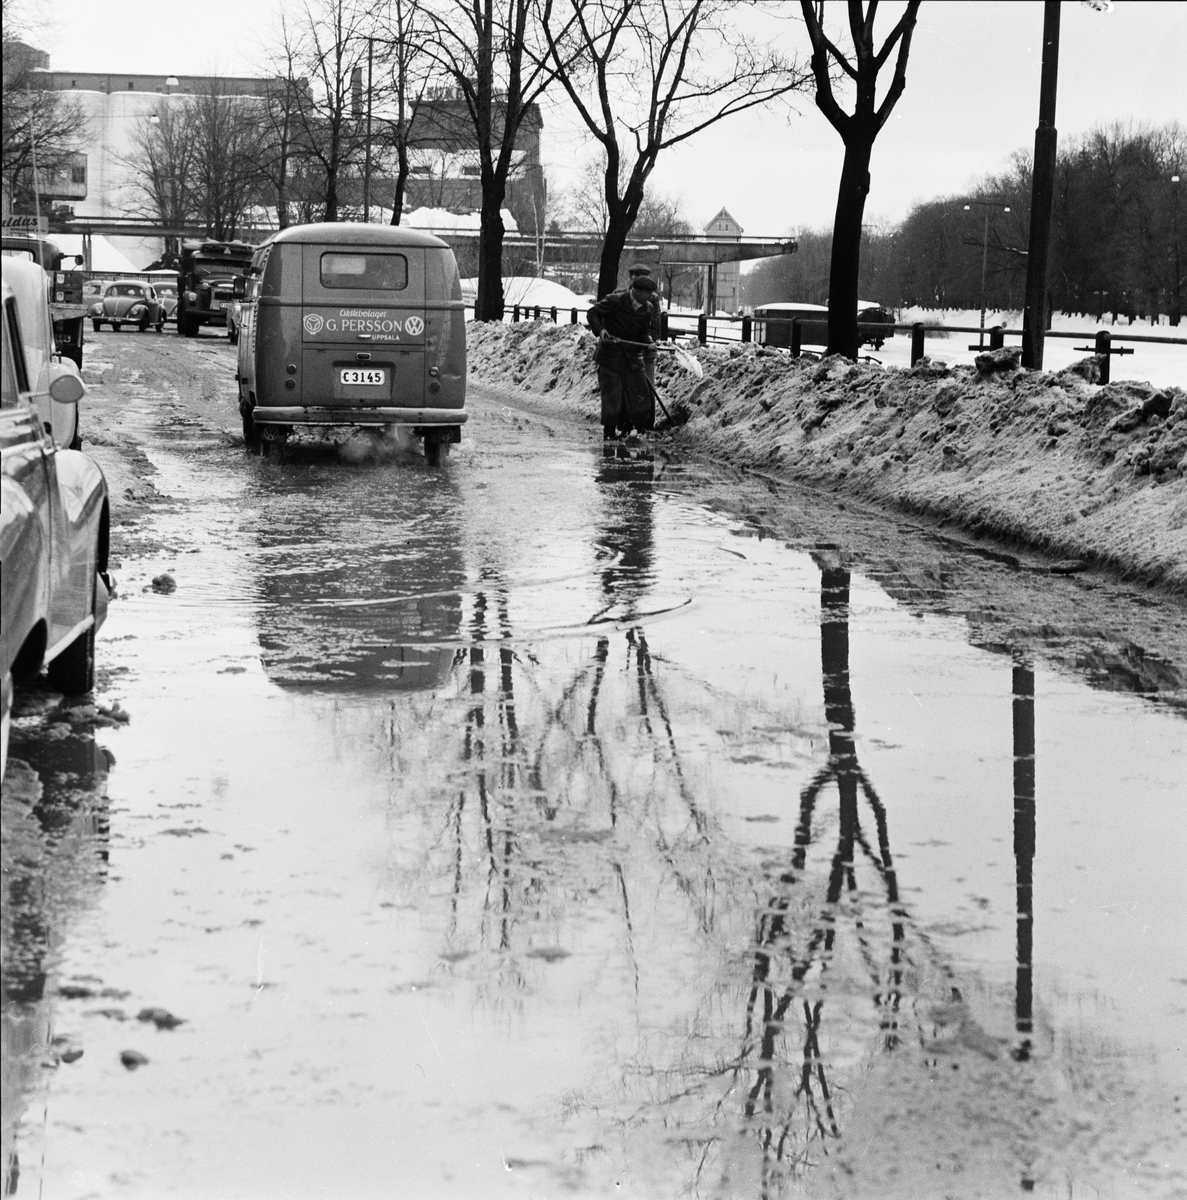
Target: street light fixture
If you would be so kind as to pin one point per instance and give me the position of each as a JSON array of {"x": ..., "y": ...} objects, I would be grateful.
[{"x": 986, "y": 205}]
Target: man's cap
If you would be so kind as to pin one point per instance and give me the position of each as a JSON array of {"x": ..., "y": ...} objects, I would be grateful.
[
  {"x": 644, "y": 283},
  {"x": 638, "y": 269}
]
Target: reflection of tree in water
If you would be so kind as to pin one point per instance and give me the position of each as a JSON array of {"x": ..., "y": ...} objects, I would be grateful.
[
  {"x": 54, "y": 859},
  {"x": 790, "y": 1106}
]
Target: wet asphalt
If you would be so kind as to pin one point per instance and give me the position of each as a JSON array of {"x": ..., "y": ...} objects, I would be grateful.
[{"x": 584, "y": 821}]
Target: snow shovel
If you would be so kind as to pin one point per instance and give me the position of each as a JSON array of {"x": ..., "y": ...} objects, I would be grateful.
[{"x": 683, "y": 357}]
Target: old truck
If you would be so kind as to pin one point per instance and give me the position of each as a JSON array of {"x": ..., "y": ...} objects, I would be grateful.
[
  {"x": 206, "y": 273},
  {"x": 66, "y": 306}
]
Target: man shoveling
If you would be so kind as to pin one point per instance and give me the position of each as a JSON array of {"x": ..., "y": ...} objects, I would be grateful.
[{"x": 625, "y": 317}]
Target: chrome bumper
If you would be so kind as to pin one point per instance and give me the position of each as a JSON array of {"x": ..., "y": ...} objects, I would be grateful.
[{"x": 267, "y": 415}]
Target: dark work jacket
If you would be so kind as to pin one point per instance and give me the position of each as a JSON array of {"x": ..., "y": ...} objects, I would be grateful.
[{"x": 618, "y": 316}]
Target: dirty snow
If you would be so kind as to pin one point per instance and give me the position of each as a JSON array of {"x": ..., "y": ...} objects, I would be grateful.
[{"x": 1053, "y": 460}]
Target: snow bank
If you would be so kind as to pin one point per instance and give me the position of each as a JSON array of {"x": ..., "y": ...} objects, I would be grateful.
[{"x": 1053, "y": 459}]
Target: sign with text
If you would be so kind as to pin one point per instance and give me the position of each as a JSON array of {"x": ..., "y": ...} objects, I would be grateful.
[
  {"x": 363, "y": 325},
  {"x": 24, "y": 223}
]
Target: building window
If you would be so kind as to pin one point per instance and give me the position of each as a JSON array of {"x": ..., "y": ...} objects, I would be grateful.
[
  {"x": 471, "y": 171},
  {"x": 78, "y": 174}
]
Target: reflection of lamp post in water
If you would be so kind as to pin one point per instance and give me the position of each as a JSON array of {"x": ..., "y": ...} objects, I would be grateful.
[
  {"x": 1024, "y": 850},
  {"x": 986, "y": 205}
]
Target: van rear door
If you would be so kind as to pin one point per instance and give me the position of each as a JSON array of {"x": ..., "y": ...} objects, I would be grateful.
[{"x": 362, "y": 326}]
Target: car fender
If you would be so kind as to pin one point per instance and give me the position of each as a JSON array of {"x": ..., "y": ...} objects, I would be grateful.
[
  {"x": 83, "y": 489},
  {"x": 25, "y": 579}
]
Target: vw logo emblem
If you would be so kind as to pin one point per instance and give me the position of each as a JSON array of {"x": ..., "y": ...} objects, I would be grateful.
[
  {"x": 313, "y": 323},
  {"x": 415, "y": 326}
]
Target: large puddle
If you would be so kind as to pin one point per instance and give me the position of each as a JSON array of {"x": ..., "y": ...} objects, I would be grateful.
[{"x": 533, "y": 829}]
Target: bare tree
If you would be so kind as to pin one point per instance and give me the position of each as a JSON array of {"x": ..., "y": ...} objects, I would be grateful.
[
  {"x": 284, "y": 148},
  {"x": 858, "y": 131},
  {"x": 40, "y": 129},
  {"x": 197, "y": 160},
  {"x": 410, "y": 70},
  {"x": 327, "y": 45},
  {"x": 161, "y": 162},
  {"x": 229, "y": 139},
  {"x": 643, "y": 81},
  {"x": 492, "y": 53}
]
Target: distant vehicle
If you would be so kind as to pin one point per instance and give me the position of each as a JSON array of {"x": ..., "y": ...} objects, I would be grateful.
[
  {"x": 68, "y": 309},
  {"x": 205, "y": 282},
  {"x": 236, "y": 307},
  {"x": 128, "y": 302},
  {"x": 872, "y": 313},
  {"x": 773, "y": 323},
  {"x": 54, "y": 525},
  {"x": 353, "y": 324},
  {"x": 165, "y": 284}
]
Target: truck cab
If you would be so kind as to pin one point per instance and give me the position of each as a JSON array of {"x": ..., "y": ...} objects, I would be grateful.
[{"x": 206, "y": 275}]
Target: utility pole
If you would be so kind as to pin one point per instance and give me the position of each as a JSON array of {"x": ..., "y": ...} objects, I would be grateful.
[
  {"x": 367, "y": 150},
  {"x": 986, "y": 205},
  {"x": 1042, "y": 196}
]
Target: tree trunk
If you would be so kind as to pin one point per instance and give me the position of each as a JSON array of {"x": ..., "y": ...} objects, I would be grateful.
[
  {"x": 401, "y": 182},
  {"x": 617, "y": 228},
  {"x": 846, "y": 255},
  {"x": 398, "y": 198},
  {"x": 488, "y": 305}
]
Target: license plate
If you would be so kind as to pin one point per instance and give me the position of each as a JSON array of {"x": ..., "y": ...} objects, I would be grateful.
[{"x": 367, "y": 378}]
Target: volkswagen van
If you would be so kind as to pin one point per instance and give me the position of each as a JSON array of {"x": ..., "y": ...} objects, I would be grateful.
[{"x": 351, "y": 324}]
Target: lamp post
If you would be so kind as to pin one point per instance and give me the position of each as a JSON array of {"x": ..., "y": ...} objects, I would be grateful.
[
  {"x": 367, "y": 150},
  {"x": 1034, "y": 319},
  {"x": 1177, "y": 290},
  {"x": 986, "y": 205}
]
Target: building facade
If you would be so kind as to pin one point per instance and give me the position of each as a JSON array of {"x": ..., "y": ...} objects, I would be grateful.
[{"x": 724, "y": 293}]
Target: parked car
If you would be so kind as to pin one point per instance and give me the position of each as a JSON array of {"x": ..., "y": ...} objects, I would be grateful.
[
  {"x": 128, "y": 302},
  {"x": 31, "y": 289},
  {"x": 167, "y": 295},
  {"x": 54, "y": 528}
]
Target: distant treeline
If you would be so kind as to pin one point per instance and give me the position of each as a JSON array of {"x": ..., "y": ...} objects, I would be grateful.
[{"x": 1118, "y": 236}]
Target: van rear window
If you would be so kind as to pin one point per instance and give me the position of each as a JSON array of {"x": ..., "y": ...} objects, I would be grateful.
[{"x": 370, "y": 272}]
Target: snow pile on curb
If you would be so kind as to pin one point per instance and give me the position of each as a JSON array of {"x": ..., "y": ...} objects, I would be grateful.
[{"x": 1053, "y": 460}]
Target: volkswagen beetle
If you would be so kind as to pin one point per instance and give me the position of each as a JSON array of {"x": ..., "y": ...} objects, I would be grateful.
[{"x": 128, "y": 302}]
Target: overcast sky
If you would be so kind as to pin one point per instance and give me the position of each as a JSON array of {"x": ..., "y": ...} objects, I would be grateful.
[{"x": 971, "y": 98}]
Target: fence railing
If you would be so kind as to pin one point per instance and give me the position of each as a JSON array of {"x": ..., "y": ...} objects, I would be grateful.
[{"x": 794, "y": 333}]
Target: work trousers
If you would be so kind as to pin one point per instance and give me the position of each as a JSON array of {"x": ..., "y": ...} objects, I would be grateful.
[{"x": 627, "y": 401}]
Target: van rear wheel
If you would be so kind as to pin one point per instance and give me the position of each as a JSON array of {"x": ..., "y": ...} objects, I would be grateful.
[
  {"x": 436, "y": 453},
  {"x": 251, "y": 435}
]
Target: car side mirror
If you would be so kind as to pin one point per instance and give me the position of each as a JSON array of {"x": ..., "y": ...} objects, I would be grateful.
[
  {"x": 239, "y": 287},
  {"x": 65, "y": 383}
]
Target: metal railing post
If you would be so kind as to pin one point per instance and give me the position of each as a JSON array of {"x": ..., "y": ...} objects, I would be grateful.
[
  {"x": 1103, "y": 347},
  {"x": 797, "y": 337},
  {"x": 917, "y": 336},
  {"x": 997, "y": 338},
  {"x": 574, "y": 319},
  {"x": 515, "y": 314},
  {"x": 553, "y": 310},
  {"x": 536, "y": 313},
  {"x": 747, "y": 326},
  {"x": 703, "y": 328}
]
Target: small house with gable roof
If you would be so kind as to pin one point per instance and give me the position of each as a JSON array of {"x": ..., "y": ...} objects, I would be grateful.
[{"x": 724, "y": 291}]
